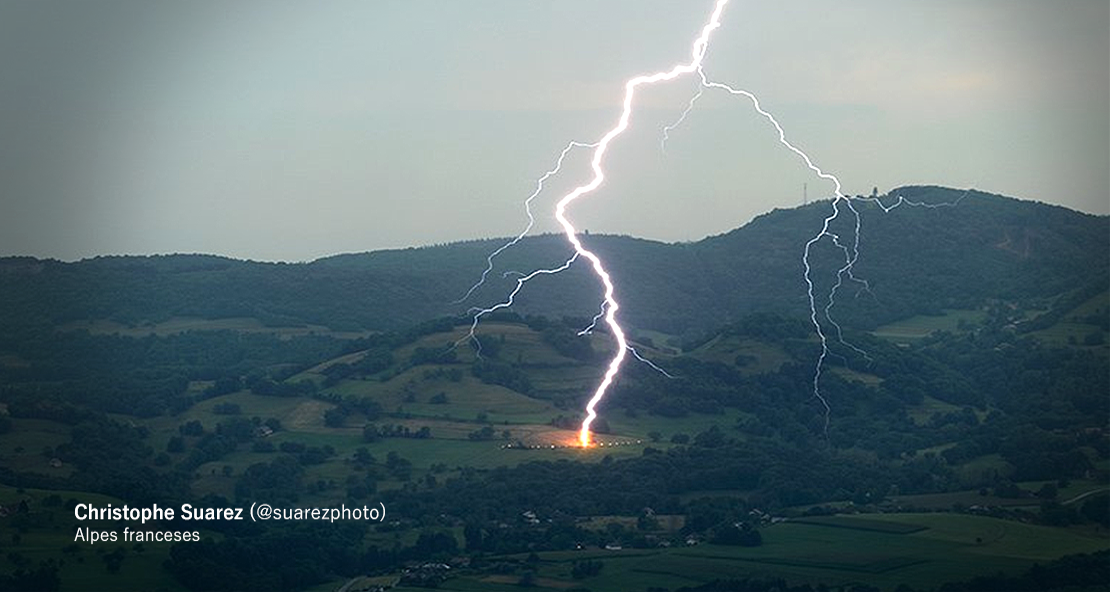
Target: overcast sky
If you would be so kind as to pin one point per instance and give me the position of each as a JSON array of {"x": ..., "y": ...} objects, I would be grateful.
[{"x": 294, "y": 130}]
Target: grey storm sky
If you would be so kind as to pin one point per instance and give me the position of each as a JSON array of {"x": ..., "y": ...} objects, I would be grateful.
[{"x": 292, "y": 130}]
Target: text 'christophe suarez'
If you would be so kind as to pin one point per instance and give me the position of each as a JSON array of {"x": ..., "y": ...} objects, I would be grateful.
[{"x": 187, "y": 512}]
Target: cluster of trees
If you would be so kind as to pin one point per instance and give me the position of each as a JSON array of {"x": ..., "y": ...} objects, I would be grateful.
[
  {"x": 372, "y": 361},
  {"x": 489, "y": 433},
  {"x": 149, "y": 376},
  {"x": 492, "y": 371},
  {"x": 286, "y": 557},
  {"x": 373, "y": 432},
  {"x": 336, "y": 416},
  {"x": 113, "y": 458}
]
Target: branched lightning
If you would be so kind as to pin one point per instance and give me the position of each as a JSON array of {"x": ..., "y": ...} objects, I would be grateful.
[
  {"x": 531, "y": 219},
  {"x": 650, "y": 364},
  {"x": 681, "y": 118},
  {"x": 850, "y": 254},
  {"x": 588, "y": 329},
  {"x": 610, "y": 305},
  {"x": 902, "y": 201},
  {"x": 850, "y": 251},
  {"x": 593, "y": 324},
  {"x": 520, "y": 281},
  {"x": 820, "y": 314}
]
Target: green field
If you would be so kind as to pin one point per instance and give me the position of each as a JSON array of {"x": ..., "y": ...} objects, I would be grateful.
[
  {"x": 410, "y": 393},
  {"x": 405, "y": 397},
  {"x": 883, "y": 550},
  {"x": 758, "y": 356},
  {"x": 1075, "y": 329},
  {"x": 921, "y": 326},
  {"x": 923, "y": 412},
  {"x": 924, "y": 549},
  {"x": 858, "y": 523}
]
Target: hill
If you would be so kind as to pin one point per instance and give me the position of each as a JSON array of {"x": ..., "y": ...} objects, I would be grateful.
[
  {"x": 916, "y": 260},
  {"x": 993, "y": 426},
  {"x": 967, "y": 425}
]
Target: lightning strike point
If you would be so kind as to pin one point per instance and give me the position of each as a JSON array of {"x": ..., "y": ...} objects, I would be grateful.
[{"x": 584, "y": 438}]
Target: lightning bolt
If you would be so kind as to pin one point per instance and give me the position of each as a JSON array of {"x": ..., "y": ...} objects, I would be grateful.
[
  {"x": 610, "y": 305},
  {"x": 649, "y": 363},
  {"x": 850, "y": 252},
  {"x": 531, "y": 219},
  {"x": 820, "y": 315},
  {"x": 593, "y": 322},
  {"x": 509, "y": 300}
]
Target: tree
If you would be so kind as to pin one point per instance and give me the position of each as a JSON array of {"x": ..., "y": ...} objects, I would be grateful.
[
  {"x": 334, "y": 417},
  {"x": 1097, "y": 509},
  {"x": 176, "y": 445}
]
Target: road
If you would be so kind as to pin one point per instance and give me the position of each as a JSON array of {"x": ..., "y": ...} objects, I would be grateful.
[{"x": 1086, "y": 495}]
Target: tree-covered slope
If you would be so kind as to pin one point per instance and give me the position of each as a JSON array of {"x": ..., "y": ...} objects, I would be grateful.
[{"x": 916, "y": 260}]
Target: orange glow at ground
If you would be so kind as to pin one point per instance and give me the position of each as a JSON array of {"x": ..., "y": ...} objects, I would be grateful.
[{"x": 566, "y": 439}]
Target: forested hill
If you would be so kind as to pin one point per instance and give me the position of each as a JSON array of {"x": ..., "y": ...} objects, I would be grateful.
[{"x": 916, "y": 260}]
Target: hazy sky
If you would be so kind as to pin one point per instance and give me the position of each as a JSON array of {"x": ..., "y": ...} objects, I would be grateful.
[{"x": 293, "y": 130}]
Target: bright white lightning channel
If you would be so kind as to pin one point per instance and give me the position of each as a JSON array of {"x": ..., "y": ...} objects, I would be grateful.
[{"x": 610, "y": 306}]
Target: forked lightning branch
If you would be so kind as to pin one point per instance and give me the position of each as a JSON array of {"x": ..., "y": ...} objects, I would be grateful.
[{"x": 841, "y": 205}]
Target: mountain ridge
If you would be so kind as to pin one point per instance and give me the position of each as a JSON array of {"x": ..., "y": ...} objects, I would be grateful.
[{"x": 914, "y": 260}]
